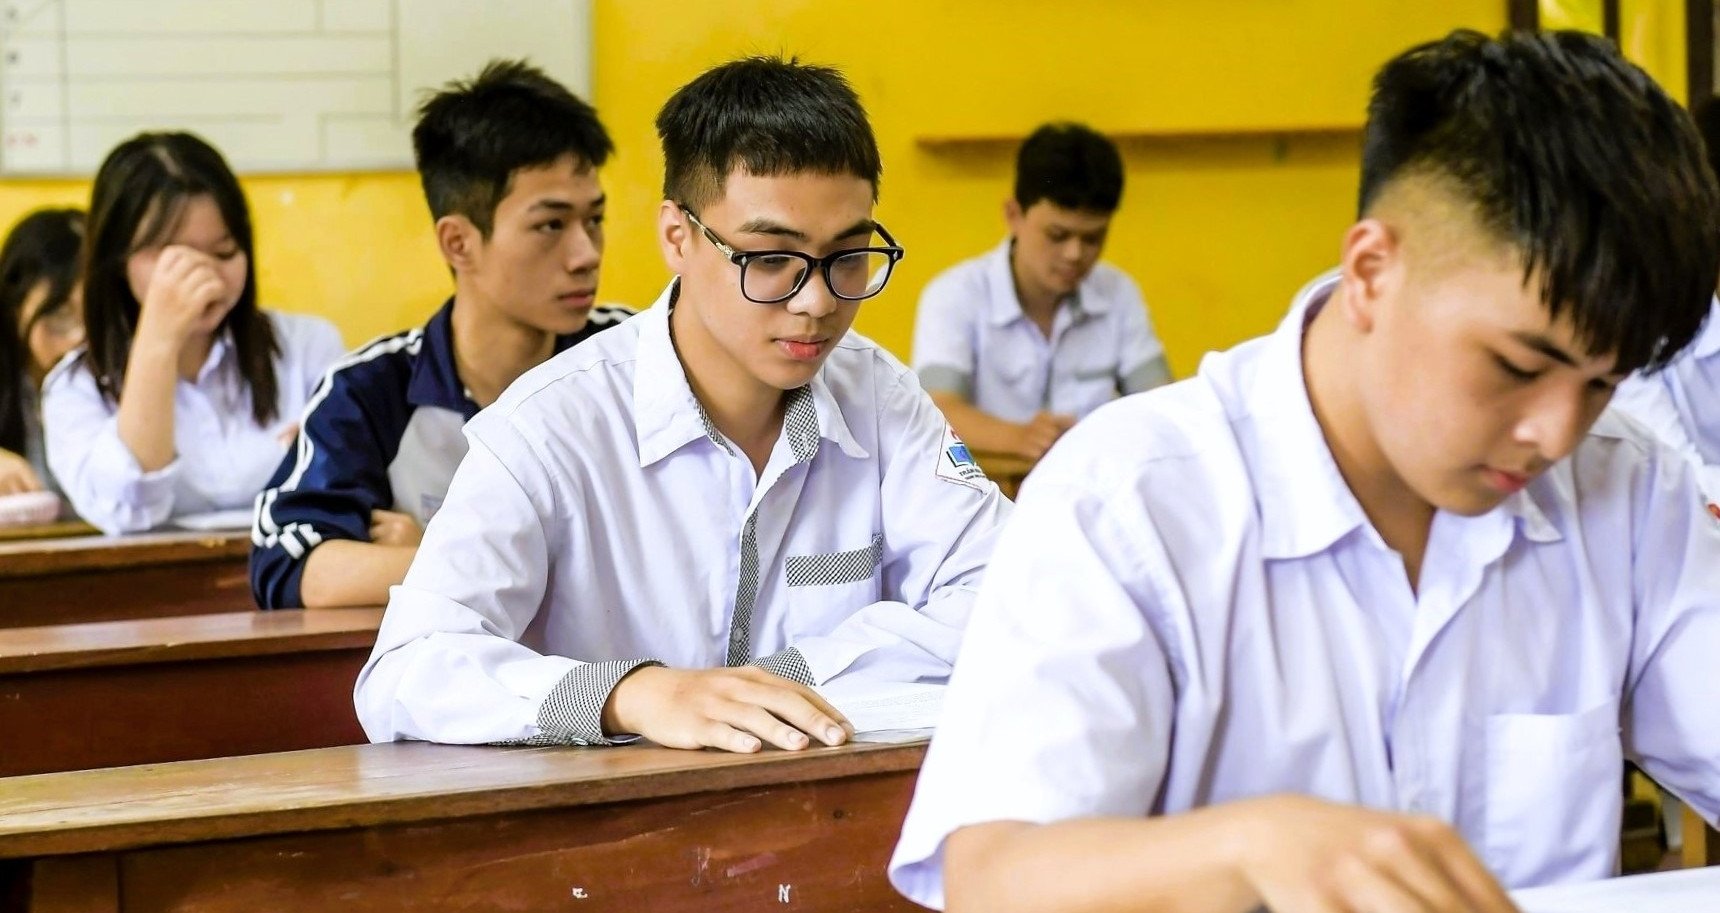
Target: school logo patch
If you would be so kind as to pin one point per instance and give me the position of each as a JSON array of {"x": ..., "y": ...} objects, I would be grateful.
[{"x": 956, "y": 463}]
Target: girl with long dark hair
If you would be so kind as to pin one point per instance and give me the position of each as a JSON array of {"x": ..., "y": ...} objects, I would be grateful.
[
  {"x": 186, "y": 392},
  {"x": 40, "y": 321}
]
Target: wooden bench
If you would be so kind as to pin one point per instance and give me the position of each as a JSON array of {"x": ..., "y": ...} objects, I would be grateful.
[
  {"x": 171, "y": 689},
  {"x": 435, "y": 827},
  {"x": 113, "y": 578}
]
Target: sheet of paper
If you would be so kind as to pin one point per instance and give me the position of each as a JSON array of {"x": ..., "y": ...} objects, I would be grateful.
[
  {"x": 1686, "y": 891},
  {"x": 886, "y": 711},
  {"x": 215, "y": 520}
]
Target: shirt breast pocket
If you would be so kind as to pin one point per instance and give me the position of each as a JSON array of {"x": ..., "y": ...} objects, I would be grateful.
[
  {"x": 824, "y": 589},
  {"x": 1553, "y": 795}
]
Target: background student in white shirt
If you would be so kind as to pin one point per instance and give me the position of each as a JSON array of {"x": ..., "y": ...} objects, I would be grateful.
[
  {"x": 1018, "y": 343},
  {"x": 186, "y": 393},
  {"x": 675, "y": 528},
  {"x": 1368, "y": 615},
  {"x": 41, "y": 319}
]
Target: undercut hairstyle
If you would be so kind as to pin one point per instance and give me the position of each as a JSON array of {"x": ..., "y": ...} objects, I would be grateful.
[
  {"x": 1072, "y": 166},
  {"x": 473, "y": 136},
  {"x": 41, "y": 251},
  {"x": 138, "y": 200},
  {"x": 768, "y": 117},
  {"x": 1574, "y": 156}
]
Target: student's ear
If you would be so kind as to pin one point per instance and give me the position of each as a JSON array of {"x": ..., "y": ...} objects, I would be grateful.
[
  {"x": 1371, "y": 265},
  {"x": 673, "y": 235},
  {"x": 459, "y": 240},
  {"x": 1012, "y": 215}
]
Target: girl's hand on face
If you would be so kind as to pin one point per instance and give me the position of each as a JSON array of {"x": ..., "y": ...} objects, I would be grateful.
[{"x": 184, "y": 289}]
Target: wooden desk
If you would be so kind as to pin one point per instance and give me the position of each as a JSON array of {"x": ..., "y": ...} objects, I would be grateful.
[
  {"x": 434, "y": 827},
  {"x": 112, "y": 578},
  {"x": 172, "y": 689},
  {"x": 1007, "y": 470},
  {"x": 58, "y": 529}
]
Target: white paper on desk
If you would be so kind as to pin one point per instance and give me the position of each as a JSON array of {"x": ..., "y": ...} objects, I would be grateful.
[
  {"x": 215, "y": 520},
  {"x": 886, "y": 711},
  {"x": 1686, "y": 891}
]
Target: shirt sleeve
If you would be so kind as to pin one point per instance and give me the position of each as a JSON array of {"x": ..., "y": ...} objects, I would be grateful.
[
  {"x": 1648, "y": 400},
  {"x": 1061, "y": 704},
  {"x": 1672, "y": 724},
  {"x": 334, "y": 475},
  {"x": 96, "y": 470},
  {"x": 944, "y": 331},
  {"x": 940, "y": 525},
  {"x": 1142, "y": 365},
  {"x": 448, "y": 664}
]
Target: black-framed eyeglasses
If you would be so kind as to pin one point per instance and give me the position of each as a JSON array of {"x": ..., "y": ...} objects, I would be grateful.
[{"x": 775, "y": 276}]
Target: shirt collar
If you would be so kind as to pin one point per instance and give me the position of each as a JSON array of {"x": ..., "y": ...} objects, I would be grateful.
[
  {"x": 1004, "y": 306},
  {"x": 667, "y": 416},
  {"x": 1305, "y": 504},
  {"x": 435, "y": 377},
  {"x": 218, "y": 351}
]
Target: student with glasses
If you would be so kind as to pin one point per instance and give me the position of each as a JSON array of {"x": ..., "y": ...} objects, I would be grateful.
[{"x": 677, "y": 528}]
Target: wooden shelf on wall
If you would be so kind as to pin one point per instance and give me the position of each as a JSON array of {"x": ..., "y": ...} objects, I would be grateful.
[{"x": 944, "y": 142}]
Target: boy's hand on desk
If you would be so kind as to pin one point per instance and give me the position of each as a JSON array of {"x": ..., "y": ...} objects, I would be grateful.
[
  {"x": 388, "y": 527},
  {"x": 1304, "y": 855},
  {"x": 731, "y": 709},
  {"x": 1041, "y": 432}
]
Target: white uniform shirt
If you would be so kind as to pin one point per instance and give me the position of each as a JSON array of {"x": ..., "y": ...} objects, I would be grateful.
[
  {"x": 1682, "y": 402},
  {"x": 222, "y": 457},
  {"x": 599, "y": 519},
  {"x": 972, "y": 338},
  {"x": 1190, "y": 607}
]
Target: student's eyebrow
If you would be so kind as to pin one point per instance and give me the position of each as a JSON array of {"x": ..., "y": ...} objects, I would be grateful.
[
  {"x": 1544, "y": 346},
  {"x": 1550, "y": 349},
  {"x": 862, "y": 227},
  {"x": 768, "y": 227},
  {"x": 565, "y": 206}
]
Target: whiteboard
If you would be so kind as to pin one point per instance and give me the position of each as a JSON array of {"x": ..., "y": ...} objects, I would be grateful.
[{"x": 276, "y": 85}]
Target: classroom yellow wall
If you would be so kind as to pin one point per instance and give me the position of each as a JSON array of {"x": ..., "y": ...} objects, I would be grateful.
[{"x": 1219, "y": 230}]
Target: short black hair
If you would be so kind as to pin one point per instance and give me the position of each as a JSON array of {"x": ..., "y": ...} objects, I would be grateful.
[
  {"x": 769, "y": 116},
  {"x": 1577, "y": 158},
  {"x": 474, "y": 134},
  {"x": 1072, "y": 165}
]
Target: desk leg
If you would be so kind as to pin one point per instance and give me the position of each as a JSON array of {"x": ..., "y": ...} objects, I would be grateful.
[
  {"x": 1701, "y": 843},
  {"x": 71, "y": 884}
]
